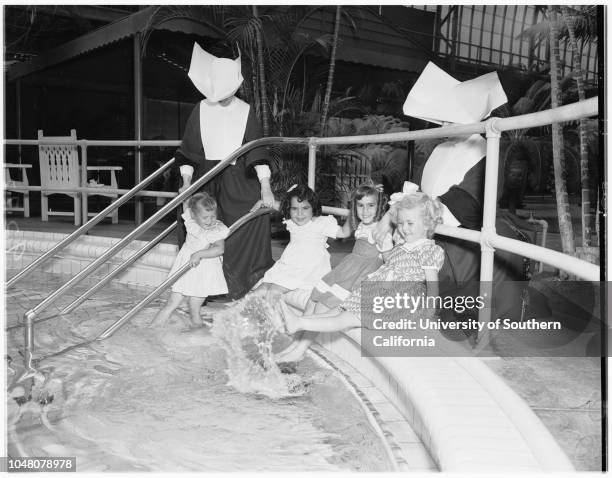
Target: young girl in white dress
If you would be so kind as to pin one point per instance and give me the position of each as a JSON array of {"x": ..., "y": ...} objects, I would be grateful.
[
  {"x": 305, "y": 259},
  {"x": 203, "y": 249}
]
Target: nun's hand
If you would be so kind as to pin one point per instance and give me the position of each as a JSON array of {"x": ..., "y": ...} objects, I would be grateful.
[
  {"x": 258, "y": 205},
  {"x": 267, "y": 197}
]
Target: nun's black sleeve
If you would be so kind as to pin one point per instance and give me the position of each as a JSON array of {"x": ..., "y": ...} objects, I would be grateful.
[{"x": 191, "y": 150}]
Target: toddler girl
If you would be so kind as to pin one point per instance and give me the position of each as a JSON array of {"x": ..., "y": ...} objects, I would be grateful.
[
  {"x": 417, "y": 260},
  {"x": 305, "y": 259},
  {"x": 367, "y": 204},
  {"x": 203, "y": 249}
]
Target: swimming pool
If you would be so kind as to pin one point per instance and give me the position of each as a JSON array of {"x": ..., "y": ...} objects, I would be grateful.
[{"x": 150, "y": 399}]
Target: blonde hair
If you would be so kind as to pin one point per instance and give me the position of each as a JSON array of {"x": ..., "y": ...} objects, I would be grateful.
[
  {"x": 202, "y": 201},
  {"x": 431, "y": 210}
]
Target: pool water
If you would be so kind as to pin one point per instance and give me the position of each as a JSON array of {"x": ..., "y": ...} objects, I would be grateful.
[{"x": 158, "y": 399}]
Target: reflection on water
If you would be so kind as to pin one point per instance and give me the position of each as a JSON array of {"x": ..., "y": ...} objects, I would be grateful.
[{"x": 159, "y": 400}]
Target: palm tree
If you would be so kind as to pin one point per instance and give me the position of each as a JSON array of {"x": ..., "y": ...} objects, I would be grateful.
[
  {"x": 571, "y": 19},
  {"x": 265, "y": 117},
  {"x": 332, "y": 66},
  {"x": 574, "y": 24},
  {"x": 563, "y": 210}
]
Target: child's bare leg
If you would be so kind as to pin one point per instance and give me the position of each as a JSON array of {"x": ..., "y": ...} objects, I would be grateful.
[
  {"x": 336, "y": 320},
  {"x": 164, "y": 314},
  {"x": 273, "y": 293},
  {"x": 195, "y": 303},
  {"x": 261, "y": 290},
  {"x": 303, "y": 339},
  {"x": 331, "y": 323}
]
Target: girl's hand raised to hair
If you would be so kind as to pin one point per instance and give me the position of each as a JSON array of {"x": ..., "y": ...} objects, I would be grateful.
[{"x": 382, "y": 229}]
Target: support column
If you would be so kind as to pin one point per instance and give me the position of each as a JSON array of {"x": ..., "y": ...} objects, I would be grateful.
[
  {"x": 312, "y": 163},
  {"x": 488, "y": 226},
  {"x": 138, "y": 169},
  {"x": 18, "y": 106}
]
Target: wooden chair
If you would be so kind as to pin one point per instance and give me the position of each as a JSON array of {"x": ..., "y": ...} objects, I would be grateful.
[
  {"x": 60, "y": 172},
  {"x": 10, "y": 182}
]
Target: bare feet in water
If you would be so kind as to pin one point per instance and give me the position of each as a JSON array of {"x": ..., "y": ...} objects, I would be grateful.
[{"x": 195, "y": 323}]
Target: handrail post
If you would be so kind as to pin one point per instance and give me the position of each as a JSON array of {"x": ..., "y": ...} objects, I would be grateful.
[
  {"x": 84, "y": 197},
  {"x": 312, "y": 161},
  {"x": 487, "y": 256},
  {"x": 28, "y": 334},
  {"x": 138, "y": 166}
]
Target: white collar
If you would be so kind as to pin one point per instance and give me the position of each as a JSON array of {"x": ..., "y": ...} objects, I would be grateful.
[{"x": 417, "y": 244}]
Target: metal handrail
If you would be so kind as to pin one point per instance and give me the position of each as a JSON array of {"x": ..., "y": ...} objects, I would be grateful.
[
  {"x": 30, "y": 315},
  {"x": 172, "y": 279},
  {"x": 89, "y": 224},
  {"x": 124, "y": 265}
]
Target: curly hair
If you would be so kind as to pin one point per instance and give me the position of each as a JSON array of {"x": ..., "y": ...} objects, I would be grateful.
[
  {"x": 202, "y": 201},
  {"x": 431, "y": 210},
  {"x": 301, "y": 193},
  {"x": 366, "y": 189}
]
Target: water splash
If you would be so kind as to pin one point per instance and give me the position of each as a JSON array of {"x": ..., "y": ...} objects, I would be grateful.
[{"x": 246, "y": 330}]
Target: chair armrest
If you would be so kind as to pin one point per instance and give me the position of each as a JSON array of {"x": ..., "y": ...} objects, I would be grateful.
[
  {"x": 104, "y": 168},
  {"x": 22, "y": 166}
]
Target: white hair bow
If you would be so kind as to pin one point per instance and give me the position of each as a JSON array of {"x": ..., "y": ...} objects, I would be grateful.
[{"x": 408, "y": 189}]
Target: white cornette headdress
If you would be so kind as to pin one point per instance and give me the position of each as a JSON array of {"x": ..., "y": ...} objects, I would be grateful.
[
  {"x": 438, "y": 97},
  {"x": 216, "y": 78}
]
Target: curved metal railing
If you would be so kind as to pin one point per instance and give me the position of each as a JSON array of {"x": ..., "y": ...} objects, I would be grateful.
[{"x": 144, "y": 302}]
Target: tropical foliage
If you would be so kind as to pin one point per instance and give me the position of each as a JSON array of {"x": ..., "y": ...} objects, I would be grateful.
[{"x": 569, "y": 24}]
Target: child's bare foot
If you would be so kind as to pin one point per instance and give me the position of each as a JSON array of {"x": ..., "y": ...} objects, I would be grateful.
[
  {"x": 195, "y": 322},
  {"x": 291, "y": 321},
  {"x": 157, "y": 323}
]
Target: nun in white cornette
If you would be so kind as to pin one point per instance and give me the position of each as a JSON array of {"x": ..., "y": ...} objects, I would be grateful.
[
  {"x": 217, "y": 126},
  {"x": 455, "y": 172}
]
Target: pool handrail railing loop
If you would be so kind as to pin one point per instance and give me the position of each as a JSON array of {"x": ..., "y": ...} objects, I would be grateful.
[{"x": 30, "y": 315}]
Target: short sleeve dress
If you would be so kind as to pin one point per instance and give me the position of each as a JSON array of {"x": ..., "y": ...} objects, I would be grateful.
[
  {"x": 207, "y": 277},
  {"x": 407, "y": 263},
  {"x": 305, "y": 259},
  {"x": 364, "y": 259}
]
